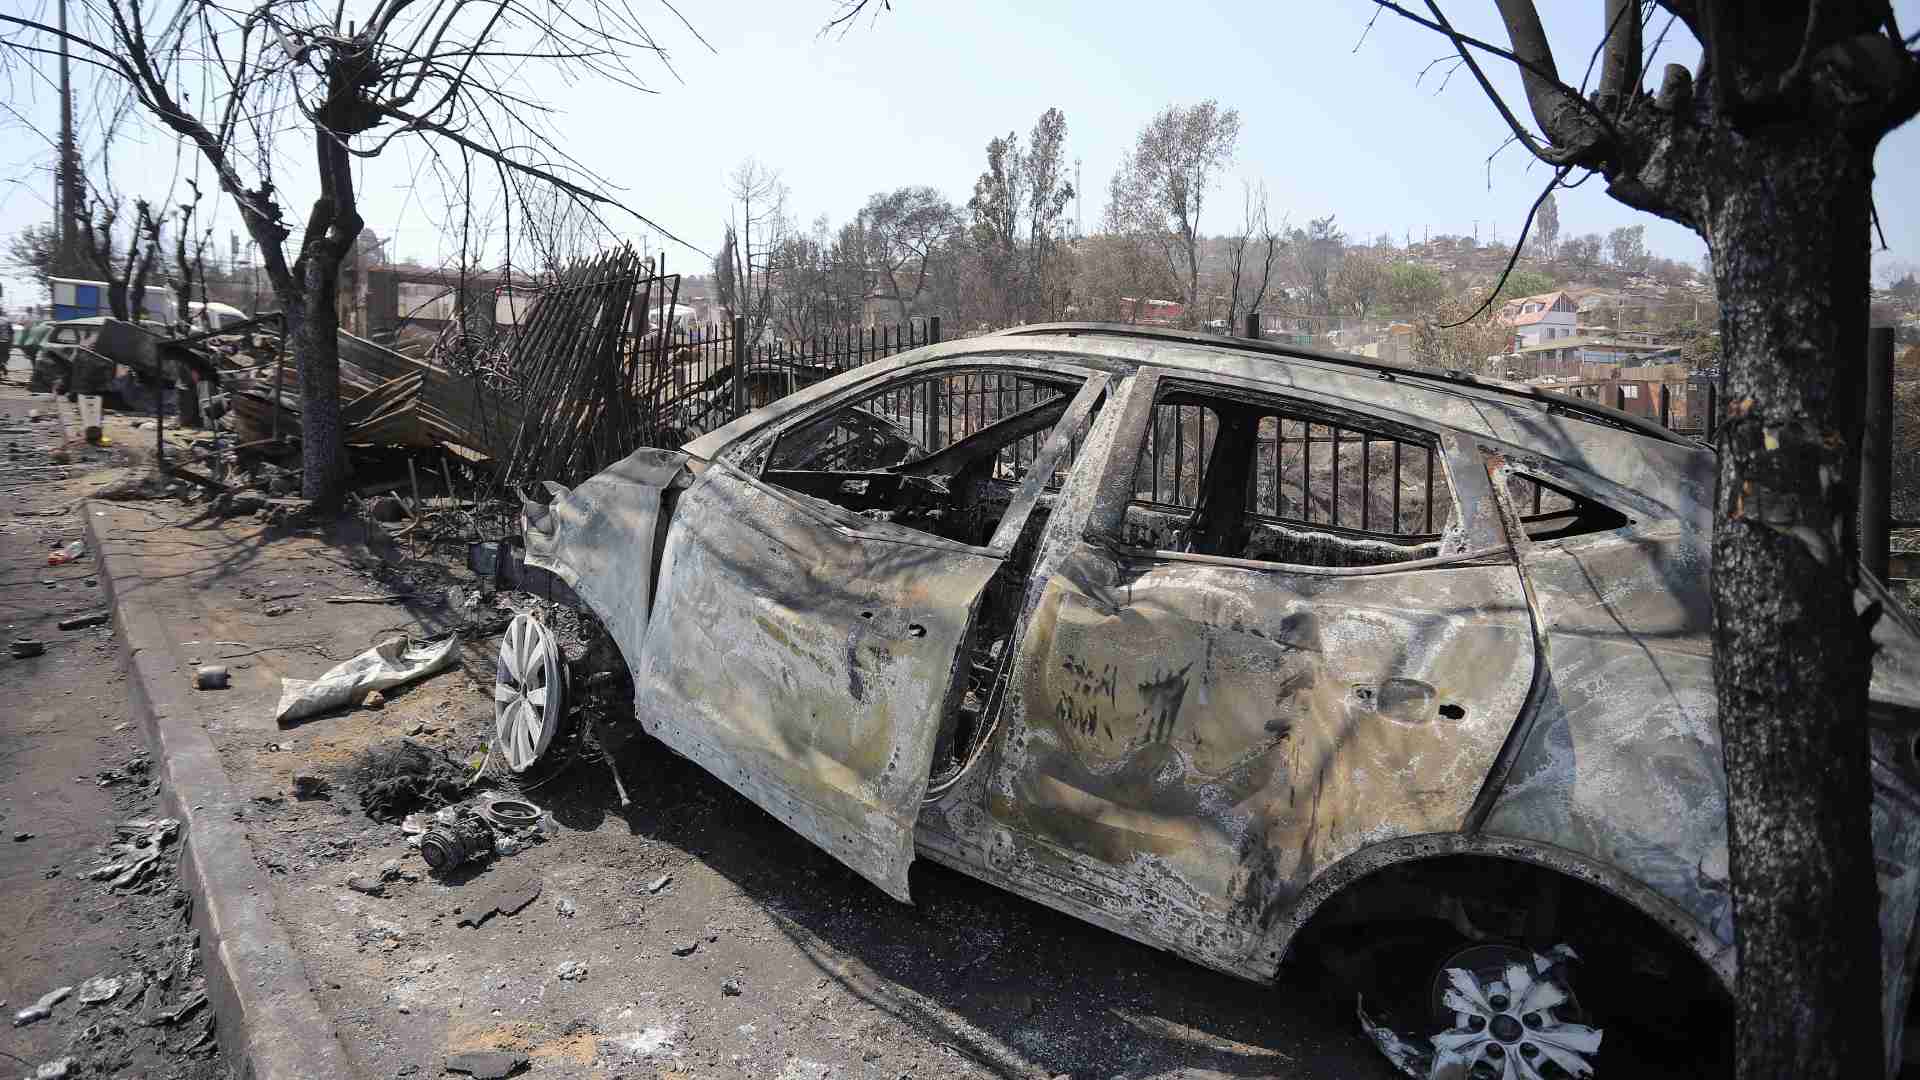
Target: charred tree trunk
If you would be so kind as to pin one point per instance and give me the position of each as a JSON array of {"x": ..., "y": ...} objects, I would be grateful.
[
  {"x": 314, "y": 331},
  {"x": 146, "y": 247},
  {"x": 1788, "y": 227},
  {"x": 313, "y": 336}
]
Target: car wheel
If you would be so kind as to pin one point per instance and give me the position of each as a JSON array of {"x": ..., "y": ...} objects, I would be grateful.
[
  {"x": 529, "y": 692},
  {"x": 1508, "y": 1014}
]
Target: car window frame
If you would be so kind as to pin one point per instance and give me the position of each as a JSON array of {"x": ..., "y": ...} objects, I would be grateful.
[
  {"x": 1478, "y": 515},
  {"x": 758, "y": 446},
  {"x": 1094, "y": 385}
]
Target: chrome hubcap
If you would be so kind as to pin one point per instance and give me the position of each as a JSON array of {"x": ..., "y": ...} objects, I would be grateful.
[{"x": 1506, "y": 1028}]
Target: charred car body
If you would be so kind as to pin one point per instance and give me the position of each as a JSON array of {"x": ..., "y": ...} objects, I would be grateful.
[{"x": 1207, "y": 642}]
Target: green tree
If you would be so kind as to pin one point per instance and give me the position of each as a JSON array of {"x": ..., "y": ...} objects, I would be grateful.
[
  {"x": 1317, "y": 251},
  {"x": 1546, "y": 227},
  {"x": 905, "y": 228},
  {"x": 1413, "y": 289},
  {"x": 1527, "y": 282},
  {"x": 1628, "y": 247},
  {"x": 1161, "y": 187}
]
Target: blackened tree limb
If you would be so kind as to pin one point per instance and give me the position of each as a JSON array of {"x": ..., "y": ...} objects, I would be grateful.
[{"x": 1580, "y": 135}]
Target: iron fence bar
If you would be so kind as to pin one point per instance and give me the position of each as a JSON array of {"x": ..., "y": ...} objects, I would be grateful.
[
  {"x": 1179, "y": 452},
  {"x": 1397, "y": 444},
  {"x": 1366, "y": 477},
  {"x": 1306, "y": 471},
  {"x": 1429, "y": 483},
  {"x": 1336, "y": 473}
]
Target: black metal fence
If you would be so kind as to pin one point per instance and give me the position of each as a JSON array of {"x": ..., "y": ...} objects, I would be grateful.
[{"x": 719, "y": 373}]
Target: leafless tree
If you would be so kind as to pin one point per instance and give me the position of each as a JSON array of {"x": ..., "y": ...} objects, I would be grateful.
[
  {"x": 1161, "y": 187},
  {"x": 458, "y": 77},
  {"x": 1766, "y": 151},
  {"x": 758, "y": 225},
  {"x": 1252, "y": 251},
  {"x": 1457, "y": 337},
  {"x": 189, "y": 258},
  {"x": 33, "y": 249},
  {"x": 557, "y": 231},
  {"x": 99, "y": 240}
]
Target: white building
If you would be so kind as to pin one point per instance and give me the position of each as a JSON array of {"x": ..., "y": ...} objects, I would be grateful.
[{"x": 1540, "y": 319}]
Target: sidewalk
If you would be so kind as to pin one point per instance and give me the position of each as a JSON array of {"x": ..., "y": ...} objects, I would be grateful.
[{"x": 686, "y": 934}]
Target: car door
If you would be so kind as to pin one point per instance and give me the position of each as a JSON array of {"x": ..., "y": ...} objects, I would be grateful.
[
  {"x": 1257, "y": 660},
  {"x": 805, "y": 652}
]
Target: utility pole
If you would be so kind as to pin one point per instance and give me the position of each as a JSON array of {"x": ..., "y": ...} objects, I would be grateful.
[
  {"x": 68, "y": 198},
  {"x": 1079, "y": 220}
]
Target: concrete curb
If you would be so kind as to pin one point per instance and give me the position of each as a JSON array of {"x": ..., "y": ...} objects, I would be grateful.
[{"x": 270, "y": 1023}]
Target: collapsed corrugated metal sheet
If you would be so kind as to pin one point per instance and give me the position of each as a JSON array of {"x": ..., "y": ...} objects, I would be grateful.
[{"x": 386, "y": 398}]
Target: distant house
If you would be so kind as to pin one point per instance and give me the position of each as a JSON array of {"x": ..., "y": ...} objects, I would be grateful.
[
  {"x": 1543, "y": 318},
  {"x": 1578, "y": 356},
  {"x": 1152, "y": 312}
]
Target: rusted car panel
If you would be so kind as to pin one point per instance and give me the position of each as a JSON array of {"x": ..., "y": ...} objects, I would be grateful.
[
  {"x": 1208, "y": 737},
  {"x": 1200, "y": 751},
  {"x": 1623, "y": 763},
  {"x": 600, "y": 538},
  {"x": 805, "y": 660}
]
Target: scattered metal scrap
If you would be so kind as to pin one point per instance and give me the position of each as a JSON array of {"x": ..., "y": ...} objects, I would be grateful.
[
  {"x": 508, "y": 901},
  {"x": 100, "y": 989},
  {"x": 486, "y": 1064},
  {"x": 42, "y": 1008},
  {"x": 137, "y": 851},
  {"x": 386, "y": 399},
  {"x": 454, "y": 840}
]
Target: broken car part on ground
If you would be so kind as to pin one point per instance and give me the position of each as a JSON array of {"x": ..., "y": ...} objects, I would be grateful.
[{"x": 1216, "y": 645}]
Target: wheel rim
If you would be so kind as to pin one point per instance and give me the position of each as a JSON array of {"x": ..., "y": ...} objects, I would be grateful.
[
  {"x": 528, "y": 692},
  {"x": 1505, "y": 1008}
]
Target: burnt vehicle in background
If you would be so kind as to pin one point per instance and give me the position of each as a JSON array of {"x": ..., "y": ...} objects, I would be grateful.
[{"x": 1223, "y": 646}]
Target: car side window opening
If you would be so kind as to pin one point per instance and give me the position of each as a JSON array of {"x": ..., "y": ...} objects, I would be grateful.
[
  {"x": 1248, "y": 479},
  {"x": 941, "y": 453},
  {"x": 1548, "y": 512}
]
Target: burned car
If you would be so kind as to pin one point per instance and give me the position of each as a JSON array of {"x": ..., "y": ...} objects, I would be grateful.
[{"x": 1215, "y": 644}]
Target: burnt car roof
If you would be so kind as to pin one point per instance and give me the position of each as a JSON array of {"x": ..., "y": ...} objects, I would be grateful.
[{"x": 1555, "y": 402}]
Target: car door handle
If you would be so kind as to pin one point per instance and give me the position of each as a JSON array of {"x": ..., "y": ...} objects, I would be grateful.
[{"x": 1404, "y": 701}]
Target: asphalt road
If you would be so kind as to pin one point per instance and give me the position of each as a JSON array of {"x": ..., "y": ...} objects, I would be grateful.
[{"x": 63, "y": 724}]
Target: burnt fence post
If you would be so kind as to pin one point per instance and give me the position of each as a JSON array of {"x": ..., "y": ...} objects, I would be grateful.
[
  {"x": 1876, "y": 452},
  {"x": 1253, "y": 326},
  {"x": 739, "y": 368}
]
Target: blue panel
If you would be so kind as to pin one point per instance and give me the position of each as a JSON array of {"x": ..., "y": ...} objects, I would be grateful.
[{"x": 87, "y": 296}]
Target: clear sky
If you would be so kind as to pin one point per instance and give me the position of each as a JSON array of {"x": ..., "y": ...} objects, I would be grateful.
[{"x": 912, "y": 96}]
